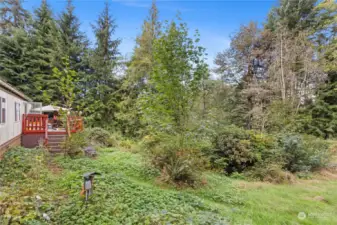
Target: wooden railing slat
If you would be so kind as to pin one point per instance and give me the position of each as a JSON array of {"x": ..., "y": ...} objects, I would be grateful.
[{"x": 34, "y": 123}]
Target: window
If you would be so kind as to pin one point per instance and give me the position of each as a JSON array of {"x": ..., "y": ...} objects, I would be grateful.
[
  {"x": 17, "y": 111},
  {"x": 2, "y": 110}
]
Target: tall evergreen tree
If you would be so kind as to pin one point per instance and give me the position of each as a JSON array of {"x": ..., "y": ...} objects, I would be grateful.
[
  {"x": 44, "y": 55},
  {"x": 14, "y": 43},
  {"x": 74, "y": 42},
  {"x": 138, "y": 72},
  {"x": 75, "y": 47},
  {"x": 14, "y": 59},
  {"x": 100, "y": 102},
  {"x": 320, "y": 118},
  {"x": 292, "y": 14}
]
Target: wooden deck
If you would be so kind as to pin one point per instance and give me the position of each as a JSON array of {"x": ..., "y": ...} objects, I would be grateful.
[{"x": 35, "y": 127}]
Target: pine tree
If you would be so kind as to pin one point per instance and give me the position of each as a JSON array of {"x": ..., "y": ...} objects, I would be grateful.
[
  {"x": 138, "y": 72},
  {"x": 142, "y": 60},
  {"x": 292, "y": 14},
  {"x": 14, "y": 59},
  {"x": 100, "y": 101},
  {"x": 73, "y": 41},
  {"x": 320, "y": 118},
  {"x": 12, "y": 15},
  {"x": 14, "y": 44},
  {"x": 75, "y": 46},
  {"x": 44, "y": 55}
]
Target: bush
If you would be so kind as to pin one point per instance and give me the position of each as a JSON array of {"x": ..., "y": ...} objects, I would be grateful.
[
  {"x": 272, "y": 173},
  {"x": 73, "y": 145},
  {"x": 126, "y": 144},
  {"x": 233, "y": 150},
  {"x": 304, "y": 153},
  {"x": 178, "y": 161},
  {"x": 149, "y": 141},
  {"x": 238, "y": 150},
  {"x": 99, "y": 136}
]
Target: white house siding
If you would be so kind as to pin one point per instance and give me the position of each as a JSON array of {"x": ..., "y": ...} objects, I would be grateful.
[{"x": 11, "y": 128}]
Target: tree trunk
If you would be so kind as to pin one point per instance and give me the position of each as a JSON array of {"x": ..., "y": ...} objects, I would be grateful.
[{"x": 283, "y": 86}]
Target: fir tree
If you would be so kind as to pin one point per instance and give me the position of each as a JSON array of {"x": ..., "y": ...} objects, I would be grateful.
[
  {"x": 44, "y": 55},
  {"x": 74, "y": 42},
  {"x": 138, "y": 72},
  {"x": 320, "y": 118},
  {"x": 100, "y": 102},
  {"x": 75, "y": 47},
  {"x": 14, "y": 59},
  {"x": 14, "y": 44},
  {"x": 292, "y": 14}
]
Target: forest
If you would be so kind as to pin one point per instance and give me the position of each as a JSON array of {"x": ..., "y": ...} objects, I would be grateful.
[{"x": 169, "y": 126}]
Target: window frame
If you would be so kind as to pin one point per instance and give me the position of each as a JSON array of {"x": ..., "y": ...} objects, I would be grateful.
[
  {"x": 17, "y": 109},
  {"x": 3, "y": 109}
]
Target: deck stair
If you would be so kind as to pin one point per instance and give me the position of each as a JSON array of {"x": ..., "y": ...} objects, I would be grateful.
[{"x": 55, "y": 142}]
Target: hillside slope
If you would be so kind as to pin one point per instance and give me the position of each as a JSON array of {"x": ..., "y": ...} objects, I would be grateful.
[{"x": 128, "y": 192}]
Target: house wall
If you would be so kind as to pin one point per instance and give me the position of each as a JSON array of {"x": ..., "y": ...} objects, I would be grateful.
[{"x": 11, "y": 129}]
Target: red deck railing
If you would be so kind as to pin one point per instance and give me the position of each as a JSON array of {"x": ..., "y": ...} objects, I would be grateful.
[
  {"x": 38, "y": 123},
  {"x": 34, "y": 123}
]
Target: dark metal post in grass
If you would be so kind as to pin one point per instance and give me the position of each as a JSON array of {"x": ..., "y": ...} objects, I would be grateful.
[{"x": 87, "y": 187}]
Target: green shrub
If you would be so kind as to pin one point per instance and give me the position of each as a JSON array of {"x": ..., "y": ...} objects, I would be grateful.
[
  {"x": 126, "y": 144},
  {"x": 271, "y": 172},
  {"x": 113, "y": 141},
  {"x": 149, "y": 141},
  {"x": 238, "y": 150},
  {"x": 233, "y": 150},
  {"x": 99, "y": 136},
  {"x": 238, "y": 176},
  {"x": 304, "y": 153},
  {"x": 73, "y": 145},
  {"x": 177, "y": 160}
]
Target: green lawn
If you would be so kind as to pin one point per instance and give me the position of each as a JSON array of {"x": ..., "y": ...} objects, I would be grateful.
[{"x": 128, "y": 192}]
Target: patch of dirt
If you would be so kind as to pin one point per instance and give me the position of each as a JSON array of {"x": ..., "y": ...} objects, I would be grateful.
[
  {"x": 54, "y": 168},
  {"x": 317, "y": 199},
  {"x": 327, "y": 174},
  {"x": 320, "y": 199}
]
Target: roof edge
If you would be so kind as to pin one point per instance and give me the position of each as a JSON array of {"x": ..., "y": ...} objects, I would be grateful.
[{"x": 14, "y": 90}]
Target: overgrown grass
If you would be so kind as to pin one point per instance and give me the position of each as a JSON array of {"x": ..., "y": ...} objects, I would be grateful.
[{"x": 128, "y": 192}]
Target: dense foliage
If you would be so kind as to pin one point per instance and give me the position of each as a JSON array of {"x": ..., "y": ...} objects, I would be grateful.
[
  {"x": 273, "y": 79},
  {"x": 238, "y": 150},
  {"x": 177, "y": 126},
  {"x": 269, "y": 77}
]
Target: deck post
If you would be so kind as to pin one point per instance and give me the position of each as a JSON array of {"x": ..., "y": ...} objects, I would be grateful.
[
  {"x": 23, "y": 123},
  {"x": 46, "y": 132}
]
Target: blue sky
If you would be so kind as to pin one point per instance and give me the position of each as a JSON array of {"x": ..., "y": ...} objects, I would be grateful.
[{"x": 216, "y": 20}]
